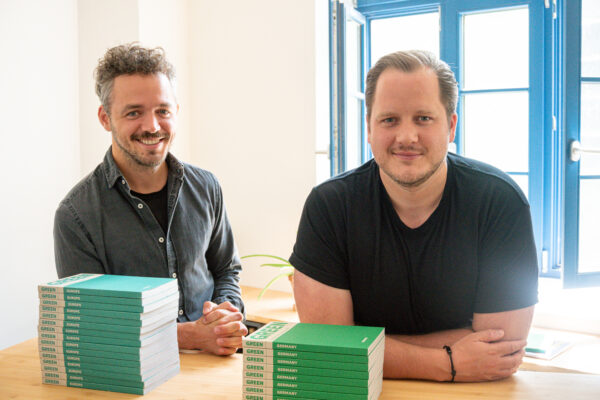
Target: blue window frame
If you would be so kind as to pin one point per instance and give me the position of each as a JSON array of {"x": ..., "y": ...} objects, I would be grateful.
[
  {"x": 348, "y": 71},
  {"x": 552, "y": 93}
]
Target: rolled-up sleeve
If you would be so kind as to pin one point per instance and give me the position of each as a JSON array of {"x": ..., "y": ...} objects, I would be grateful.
[{"x": 222, "y": 257}]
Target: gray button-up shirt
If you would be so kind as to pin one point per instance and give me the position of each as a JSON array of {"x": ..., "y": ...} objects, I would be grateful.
[{"x": 100, "y": 227}]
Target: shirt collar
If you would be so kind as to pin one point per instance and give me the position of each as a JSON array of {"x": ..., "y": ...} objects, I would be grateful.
[{"x": 113, "y": 173}]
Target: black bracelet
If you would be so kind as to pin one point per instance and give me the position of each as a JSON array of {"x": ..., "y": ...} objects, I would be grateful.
[{"x": 452, "y": 370}]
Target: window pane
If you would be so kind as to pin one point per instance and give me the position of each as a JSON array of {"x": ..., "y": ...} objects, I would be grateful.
[
  {"x": 353, "y": 132},
  {"x": 420, "y": 31},
  {"x": 523, "y": 182},
  {"x": 589, "y": 221},
  {"x": 590, "y": 38},
  {"x": 496, "y": 129},
  {"x": 496, "y": 50},
  {"x": 353, "y": 56},
  {"x": 590, "y": 128}
]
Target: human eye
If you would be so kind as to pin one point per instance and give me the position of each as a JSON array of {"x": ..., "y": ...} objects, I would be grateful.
[
  {"x": 424, "y": 118},
  {"x": 164, "y": 112},
  {"x": 388, "y": 120},
  {"x": 132, "y": 114}
]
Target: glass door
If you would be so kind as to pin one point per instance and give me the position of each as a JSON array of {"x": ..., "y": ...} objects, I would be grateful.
[{"x": 582, "y": 168}]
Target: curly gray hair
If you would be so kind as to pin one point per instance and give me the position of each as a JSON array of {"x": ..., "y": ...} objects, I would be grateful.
[{"x": 127, "y": 59}]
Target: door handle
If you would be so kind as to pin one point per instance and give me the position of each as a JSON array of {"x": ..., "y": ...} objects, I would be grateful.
[{"x": 575, "y": 150}]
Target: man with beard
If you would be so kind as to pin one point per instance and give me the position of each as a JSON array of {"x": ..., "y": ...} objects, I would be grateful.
[
  {"x": 435, "y": 247},
  {"x": 142, "y": 212}
]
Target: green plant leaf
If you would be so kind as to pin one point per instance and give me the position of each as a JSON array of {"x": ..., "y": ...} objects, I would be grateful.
[
  {"x": 268, "y": 256},
  {"x": 272, "y": 281},
  {"x": 276, "y": 265}
]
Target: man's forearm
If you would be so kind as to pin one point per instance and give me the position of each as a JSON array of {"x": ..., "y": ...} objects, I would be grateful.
[
  {"x": 410, "y": 361},
  {"x": 478, "y": 356},
  {"x": 435, "y": 340},
  {"x": 185, "y": 335}
]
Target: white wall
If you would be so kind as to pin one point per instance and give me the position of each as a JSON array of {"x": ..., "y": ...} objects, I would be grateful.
[
  {"x": 102, "y": 24},
  {"x": 255, "y": 116},
  {"x": 107, "y": 23},
  {"x": 168, "y": 27},
  {"x": 40, "y": 117},
  {"x": 246, "y": 84}
]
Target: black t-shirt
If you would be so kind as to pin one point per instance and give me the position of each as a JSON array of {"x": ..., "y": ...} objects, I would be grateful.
[
  {"x": 157, "y": 202},
  {"x": 475, "y": 254}
]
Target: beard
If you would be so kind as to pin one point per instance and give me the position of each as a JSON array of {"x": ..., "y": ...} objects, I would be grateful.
[
  {"x": 413, "y": 181},
  {"x": 149, "y": 160}
]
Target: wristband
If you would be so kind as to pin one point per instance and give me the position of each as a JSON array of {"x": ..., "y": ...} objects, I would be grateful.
[{"x": 452, "y": 370}]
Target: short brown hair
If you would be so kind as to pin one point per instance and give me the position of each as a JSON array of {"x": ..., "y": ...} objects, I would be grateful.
[
  {"x": 409, "y": 61},
  {"x": 127, "y": 59}
]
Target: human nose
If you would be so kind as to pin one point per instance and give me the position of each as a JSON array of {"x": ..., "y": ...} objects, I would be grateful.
[
  {"x": 406, "y": 133},
  {"x": 150, "y": 123}
]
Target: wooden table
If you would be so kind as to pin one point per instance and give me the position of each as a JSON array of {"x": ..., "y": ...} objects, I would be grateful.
[
  {"x": 275, "y": 305},
  {"x": 204, "y": 376}
]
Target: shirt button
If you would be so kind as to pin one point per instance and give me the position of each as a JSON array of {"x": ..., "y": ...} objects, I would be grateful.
[
  {"x": 140, "y": 206},
  {"x": 174, "y": 275},
  {"x": 123, "y": 181},
  {"x": 180, "y": 312},
  {"x": 161, "y": 240}
]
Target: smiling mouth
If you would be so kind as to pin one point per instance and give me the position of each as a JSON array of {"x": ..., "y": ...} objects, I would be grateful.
[
  {"x": 406, "y": 155},
  {"x": 150, "y": 141}
]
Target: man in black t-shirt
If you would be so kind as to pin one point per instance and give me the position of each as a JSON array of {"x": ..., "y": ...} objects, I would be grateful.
[{"x": 435, "y": 247}]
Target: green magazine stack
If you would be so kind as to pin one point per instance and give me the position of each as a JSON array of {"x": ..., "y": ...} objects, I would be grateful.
[
  {"x": 284, "y": 360},
  {"x": 109, "y": 332}
]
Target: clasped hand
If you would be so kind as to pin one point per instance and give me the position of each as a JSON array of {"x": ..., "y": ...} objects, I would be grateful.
[
  {"x": 481, "y": 356},
  {"x": 219, "y": 331}
]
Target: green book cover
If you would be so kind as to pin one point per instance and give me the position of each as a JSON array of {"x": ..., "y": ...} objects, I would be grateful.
[
  {"x": 172, "y": 307},
  {"x": 324, "y": 372},
  {"x": 95, "y": 386},
  {"x": 140, "y": 355},
  {"x": 321, "y": 387},
  {"x": 337, "y": 379},
  {"x": 112, "y": 387},
  {"x": 115, "y": 379},
  {"x": 106, "y": 324},
  {"x": 356, "y": 340},
  {"x": 288, "y": 362},
  {"x": 88, "y": 318},
  {"x": 110, "y": 374},
  {"x": 252, "y": 396},
  {"x": 129, "y": 301},
  {"x": 308, "y": 394},
  {"x": 170, "y": 312},
  {"x": 305, "y": 355},
  {"x": 80, "y": 361},
  {"x": 59, "y": 339},
  {"x": 165, "y": 335},
  {"x": 48, "y": 364},
  {"x": 256, "y": 396},
  {"x": 127, "y": 308},
  {"x": 44, "y": 329},
  {"x": 109, "y": 285}
]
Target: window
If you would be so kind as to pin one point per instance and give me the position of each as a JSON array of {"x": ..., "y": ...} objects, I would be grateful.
[
  {"x": 515, "y": 111},
  {"x": 580, "y": 34}
]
